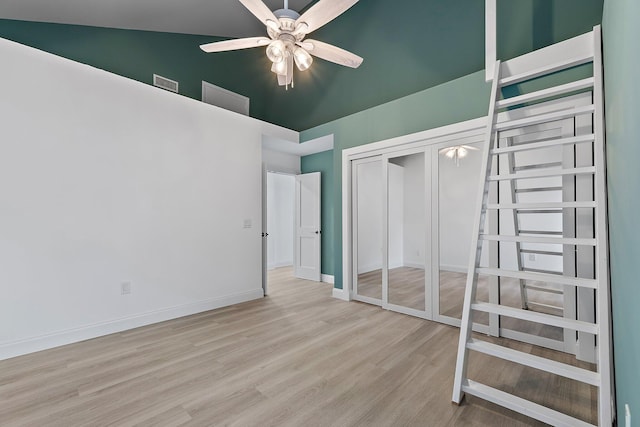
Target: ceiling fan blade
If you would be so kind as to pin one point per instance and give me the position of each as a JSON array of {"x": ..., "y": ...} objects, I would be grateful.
[
  {"x": 260, "y": 10},
  {"x": 321, "y": 13},
  {"x": 331, "y": 53},
  {"x": 235, "y": 44}
]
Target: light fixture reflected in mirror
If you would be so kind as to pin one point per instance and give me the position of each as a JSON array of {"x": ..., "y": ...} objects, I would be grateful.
[{"x": 457, "y": 152}]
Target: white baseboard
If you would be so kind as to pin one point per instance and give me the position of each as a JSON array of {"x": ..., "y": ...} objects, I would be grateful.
[
  {"x": 274, "y": 265},
  {"x": 69, "y": 336},
  {"x": 340, "y": 294},
  {"x": 327, "y": 278},
  {"x": 414, "y": 265},
  {"x": 454, "y": 268}
]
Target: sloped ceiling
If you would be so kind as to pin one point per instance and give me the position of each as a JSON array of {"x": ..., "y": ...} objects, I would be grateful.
[
  {"x": 225, "y": 18},
  {"x": 407, "y": 47}
]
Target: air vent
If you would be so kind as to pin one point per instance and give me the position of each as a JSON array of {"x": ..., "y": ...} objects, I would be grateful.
[
  {"x": 165, "y": 83},
  {"x": 223, "y": 98}
]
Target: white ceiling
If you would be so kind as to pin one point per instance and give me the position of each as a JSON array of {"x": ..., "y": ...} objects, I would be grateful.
[{"x": 225, "y": 18}]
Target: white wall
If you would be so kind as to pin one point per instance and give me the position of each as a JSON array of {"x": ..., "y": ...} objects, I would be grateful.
[
  {"x": 458, "y": 186},
  {"x": 414, "y": 218},
  {"x": 369, "y": 204},
  {"x": 280, "y": 219},
  {"x": 370, "y": 209},
  {"x": 280, "y": 162},
  {"x": 105, "y": 180}
]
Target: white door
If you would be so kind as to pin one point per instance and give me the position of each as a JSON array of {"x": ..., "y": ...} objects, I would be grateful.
[{"x": 307, "y": 249}]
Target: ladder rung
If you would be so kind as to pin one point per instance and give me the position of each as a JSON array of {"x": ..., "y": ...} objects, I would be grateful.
[
  {"x": 538, "y": 189},
  {"x": 523, "y": 406},
  {"x": 546, "y": 93},
  {"x": 538, "y": 270},
  {"x": 534, "y": 239},
  {"x": 541, "y": 232},
  {"x": 540, "y": 277},
  {"x": 534, "y": 251},
  {"x": 544, "y": 144},
  {"x": 543, "y": 173},
  {"x": 541, "y": 289},
  {"x": 539, "y": 211},
  {"x": 533, "y": 361},
  {"x": 541, "y": 71},
  {"x": 547, "y": 306},
  {"x": 544, "y": 118},
  {"x": 542, "y": 205},
  {"x": 532, "y": 316},
  {"x": 537, "y": 166}
]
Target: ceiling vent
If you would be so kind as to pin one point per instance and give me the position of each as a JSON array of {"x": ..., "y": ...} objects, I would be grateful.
[
  {"x": 223, "y": 98},
  {"x": 165, "y": 83}
]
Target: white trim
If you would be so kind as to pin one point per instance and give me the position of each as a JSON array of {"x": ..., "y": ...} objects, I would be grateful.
[
  {"x": 340, "y": 294},
  {"x": 280, "y": 264},
  {"x": 453, "y": 268},
  {"x": 328, "y": 278},
  {"x": 490, "y": 33},
  {"x": 69, "y": 336},
  {"x": 413, "y": 265},
  {"x": 461, "y": 130}
]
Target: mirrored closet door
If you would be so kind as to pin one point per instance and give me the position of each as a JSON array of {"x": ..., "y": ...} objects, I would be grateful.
[
  {"x": 367, "y": 210},
  {"x": 407, "y": 216}
]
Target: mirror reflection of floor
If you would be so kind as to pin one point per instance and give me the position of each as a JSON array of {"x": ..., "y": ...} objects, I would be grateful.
[{"x": 406, "y": 288}]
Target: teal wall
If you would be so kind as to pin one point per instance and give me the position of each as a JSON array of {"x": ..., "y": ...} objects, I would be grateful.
[
  {"x": 621, "y": 34},
  {"x": 323, "y": 163},
  {"x": 458, "y": 100},
  {"x": 407, "y": 47}
]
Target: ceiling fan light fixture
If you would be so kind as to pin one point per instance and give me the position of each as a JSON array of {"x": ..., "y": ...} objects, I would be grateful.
[
  {"x": 302, "y": 58},
  {"x": 280, "y": 67},
  {"x": 276, "y": 51}
]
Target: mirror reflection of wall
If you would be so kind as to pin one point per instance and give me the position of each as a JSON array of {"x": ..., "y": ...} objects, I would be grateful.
[
  {"x": 369, "y": 202},
  {"x": 458, "y": 186},
  {"x": 280, "y": 219},
  {"x": 407, "y": 223}
]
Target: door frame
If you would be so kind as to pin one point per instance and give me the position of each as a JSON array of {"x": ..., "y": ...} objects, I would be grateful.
[{"x": 265, "y": 232}]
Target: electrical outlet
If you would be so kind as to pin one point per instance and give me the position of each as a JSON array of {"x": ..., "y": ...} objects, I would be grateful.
[
  {"x": 532, "y": 257},
  {"x": 247, "y": 223},
  {"x": 125, "y": 288}
]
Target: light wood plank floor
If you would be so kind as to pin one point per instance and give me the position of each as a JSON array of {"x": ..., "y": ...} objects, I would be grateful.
[
  {"x": 295, "y": 358},
  {"x": 406, "y": 288}
]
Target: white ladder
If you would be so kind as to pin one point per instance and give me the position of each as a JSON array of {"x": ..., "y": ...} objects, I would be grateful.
[
  {"x": 564, "y": 55},
  {"x": 515, "y": 193}
]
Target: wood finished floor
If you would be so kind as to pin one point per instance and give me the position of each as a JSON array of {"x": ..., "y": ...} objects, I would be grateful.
[
  {"x": 406, "y": 288},
  {"x": 295, "y": 358}
]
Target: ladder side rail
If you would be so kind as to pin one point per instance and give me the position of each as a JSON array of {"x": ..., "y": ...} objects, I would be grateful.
[
  {"x": 511, "y": 163},
  {"x": 476, "y": 244},
  {"x": 603, "y": 303}
]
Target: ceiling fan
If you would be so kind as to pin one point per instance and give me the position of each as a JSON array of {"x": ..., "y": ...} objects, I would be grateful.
[{"x": 286, "y": 44}]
